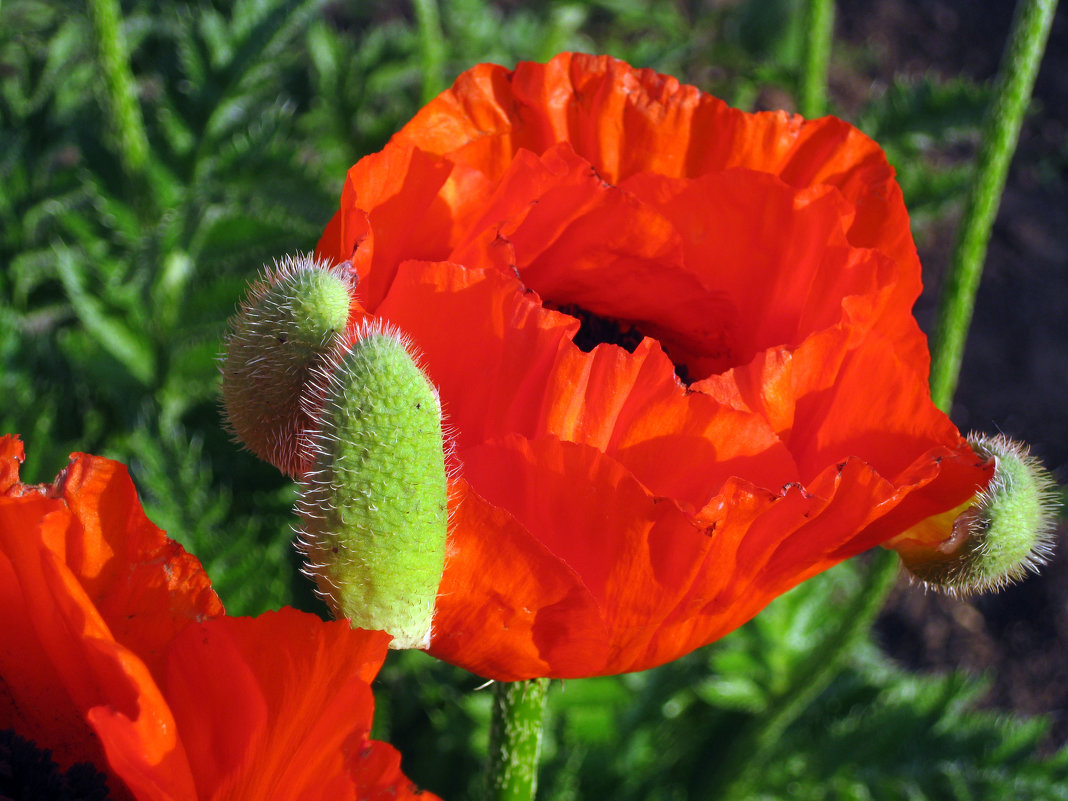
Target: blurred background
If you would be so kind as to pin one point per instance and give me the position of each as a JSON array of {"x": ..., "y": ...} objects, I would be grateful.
[{"x": 130, "y": 228}]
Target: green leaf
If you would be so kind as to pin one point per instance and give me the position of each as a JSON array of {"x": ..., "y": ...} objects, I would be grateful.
[{"x": 110, "y": 331}]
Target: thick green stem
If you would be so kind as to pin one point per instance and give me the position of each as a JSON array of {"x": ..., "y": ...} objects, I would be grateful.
[
  {"x": 515, "y": 739},
  {"x": 120, "y": 98},
  {"x": 1001, "y": 130},
  {"x": 432, "y": 42},
  {"x": 819, "y": 36}
]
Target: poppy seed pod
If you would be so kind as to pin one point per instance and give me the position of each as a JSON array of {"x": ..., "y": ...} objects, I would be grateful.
[
  {"x": 290, "y": 319},
  {"x": 373, "y": 502},
  {"x": 995, "y": 538}
]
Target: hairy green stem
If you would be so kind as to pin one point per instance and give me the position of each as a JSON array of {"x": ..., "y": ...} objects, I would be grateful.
[
  {"x": 128, "y": 126},
  {"x": 432, "y": 42},
  {"x": 749, "y": 750},
  {"x": 515, "y": 739},
  {"x": 819, "y": 35},
  {"x": 1001, "y": 130}
]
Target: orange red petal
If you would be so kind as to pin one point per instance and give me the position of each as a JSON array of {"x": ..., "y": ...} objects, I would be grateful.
[{"x": 117, "y": 652}]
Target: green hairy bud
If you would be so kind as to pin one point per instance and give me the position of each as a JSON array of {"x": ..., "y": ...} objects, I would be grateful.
[
  {"x": 373, "y": 503},
  {"x": 291, "y": 319},
  {"x": 999, "y": 536}
]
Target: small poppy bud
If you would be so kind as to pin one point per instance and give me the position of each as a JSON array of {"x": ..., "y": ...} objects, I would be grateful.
[
  {"x": 374, "y": 501},
  {"x": 995, "y": 538},
  {"x": 289, "y": 321}
]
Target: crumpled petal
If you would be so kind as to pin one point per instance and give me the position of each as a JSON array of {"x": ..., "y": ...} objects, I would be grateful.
[
  {"x": 117, "y": 652},
  {"x": 82, "y": 566}
]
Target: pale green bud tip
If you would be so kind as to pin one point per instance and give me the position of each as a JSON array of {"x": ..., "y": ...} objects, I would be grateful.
[
  {"x": 996, "y": 538},
  {"x": 374, "y": 502},
  {"x": 288, "y": 323}
]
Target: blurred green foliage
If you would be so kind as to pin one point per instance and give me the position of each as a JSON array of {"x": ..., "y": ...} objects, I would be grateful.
[
  {"x": 710, "y": 726},
  {"x": 117, "y": 275}
]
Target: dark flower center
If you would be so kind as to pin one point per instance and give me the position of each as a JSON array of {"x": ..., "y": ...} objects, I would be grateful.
[
  {"x": 28, "y": 773},
  {"x": 595, "y": 330}
]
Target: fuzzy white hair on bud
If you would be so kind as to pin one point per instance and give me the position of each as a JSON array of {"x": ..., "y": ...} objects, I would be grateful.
[
  {"x": 291, "y": 319},
  {"x": 1005, "y": 532},
  {"x": 374, "y": 502}
]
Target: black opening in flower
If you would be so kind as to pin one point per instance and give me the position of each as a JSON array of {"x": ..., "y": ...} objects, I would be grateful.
[
  {"x": 28, "y": 773},
  {"x": 595, "y": 330}
]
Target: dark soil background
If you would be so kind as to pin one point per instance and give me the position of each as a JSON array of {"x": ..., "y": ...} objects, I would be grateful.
[{"x": 1015, "y": 373}]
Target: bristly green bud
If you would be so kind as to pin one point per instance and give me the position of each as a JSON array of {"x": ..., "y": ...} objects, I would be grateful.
[
  {"x": 996, "y": 538},
  {"x": 291, "y": 319},
  {"x": 374, "y": 502}
]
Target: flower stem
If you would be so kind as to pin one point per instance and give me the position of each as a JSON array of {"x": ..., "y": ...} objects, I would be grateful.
[
  {"x": 432, "y": 42},
  {"x": 105, "y": 17},
  {"x": 819, "y": 35},
  {"x": 1001, "y": 130},
  {"x": 515, "y": 739}
]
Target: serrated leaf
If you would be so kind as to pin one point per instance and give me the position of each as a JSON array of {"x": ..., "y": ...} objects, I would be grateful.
[
  {"x": 109, "y": 331},
  {"x": 935, "y": 109},
  {"x": 733, "y": 691}
]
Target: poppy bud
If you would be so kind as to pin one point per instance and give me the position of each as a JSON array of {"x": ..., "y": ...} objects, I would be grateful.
[
  {"x": 996, "y": 537},
  {"x": 374, "y": 501},
  {"x": 290, "y": 320}
]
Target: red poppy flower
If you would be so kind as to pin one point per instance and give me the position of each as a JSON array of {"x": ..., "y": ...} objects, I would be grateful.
[
  {"x": 674, "y": 343},
  {"x": 117, "y": 652}
]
